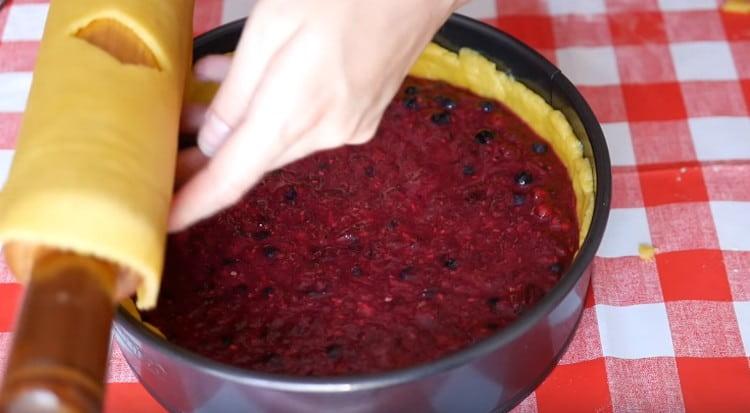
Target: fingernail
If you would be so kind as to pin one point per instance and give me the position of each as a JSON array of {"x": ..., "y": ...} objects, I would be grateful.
[{"x": 213, "y": 133}]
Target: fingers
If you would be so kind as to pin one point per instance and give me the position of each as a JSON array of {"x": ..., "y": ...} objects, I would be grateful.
[
  {"x": 260, "y": 43},
  {"x": 192, "y": 118},
  {"x": 189, "y": 162},
  {"x": 213, "y": 68}
]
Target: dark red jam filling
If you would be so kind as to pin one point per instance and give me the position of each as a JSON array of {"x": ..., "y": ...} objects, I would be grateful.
[{"x": 452, "y": 221}]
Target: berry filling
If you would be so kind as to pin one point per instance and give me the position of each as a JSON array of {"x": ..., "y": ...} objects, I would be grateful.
[{"x": 451, "y": 222}]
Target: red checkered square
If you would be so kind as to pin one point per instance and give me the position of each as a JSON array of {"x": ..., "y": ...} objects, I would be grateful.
[
  {"x": 586, "y": 344},
  {"x": 683, "y": 226},
  {"x": 736, "y": 26},
  {"x": 606, "y": 101},
  {"x": 662, "y": 142},
  {"x": 668, "y": 185},
  {"x": 207, "y": 15},
  {"x": 626, "y": 281},
  {"x": 9, "y": 124},
  {"x": 11, "y": 297},
  {"x": 704, "y": 329},
  {"x": 644, "y": 385},
  {"x": 631, "y": 6},
  {"x": 579, "y": 30},
  {"x": 528, "y": 405},
  {"x": 745, "y": 83},
  {"x": 694, "y": 25},
  {"x": 580, "y": 387},
  {"x": 18, "y": 56},
  {"x": 715, "y": 384},
  {"x": 656, "y": 101},
  {"x": 549, "y": 54},
  {"x": 626, "y": 188},
  {"x": 536, "y": 31},
  {"x": 714, "y": 98},
  {"x": 638, "y": 28},
  {"x": 721, "y": 182},
  {"x": 741, "y": 55},
  {"x": 128, "y": 398},
  {"x": 526, "y": 7},
  {"x": 737, "y": 264},
  {"x": 645, "y": 64},
  {"x": 693, "y": 275}
]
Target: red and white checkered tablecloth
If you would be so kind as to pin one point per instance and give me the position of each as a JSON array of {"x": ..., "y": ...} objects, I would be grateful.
[{"x": 670, "y": 82}]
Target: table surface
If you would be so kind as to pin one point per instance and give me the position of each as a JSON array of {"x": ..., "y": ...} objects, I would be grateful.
[{"x": 670, "y": 82}]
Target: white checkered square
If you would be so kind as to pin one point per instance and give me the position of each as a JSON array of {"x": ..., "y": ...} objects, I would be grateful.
[
  {"x": 14, "y": 90},
  {"x": 5, "y": 276},
  {"x": 25, "y": 22},
  {"x": 704, "y": 329},
  {"x": 236, "y": 9},
  {"x": 558, "y": 7},
  {"x": 6, "y": 158},
  {"x": 634, "y": 332},
  {"x": 703, "y": 61},
  {"x": 672, "y": 5},
  {"x": 589, "y": 66},
  {"x": 721, "y": 138},
  {"x": 620, "y": 143},
  {"x": 732, "y": 221},
  {"x": 742, "y": 310},
  {"x": 626, "y": 229},
  {"x": 118, "y": 370},
  {"x": 480, "y": 9}
]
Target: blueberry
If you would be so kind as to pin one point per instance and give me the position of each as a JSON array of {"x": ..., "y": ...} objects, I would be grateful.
[
  {"x": 484, "y": 136},
  {"x": 411, "y": 103},
  {"x": 406, "y": 274},
  {"x": 334, "y": 351},
  {"x": 260, "y": 235},
  {"x": 555, "y": 268},
  {"x": 524, "y": 178},
  {"x": 428, "y": 293},
  {"x": 539, "y": 147},
  {"x": 410, "y": 90},
  {"x": 447, "y": 103},
  {"x": 356, "y": 271},
  {"x": 441, "y": 118},
  {"x": 487, "y": 107},
  {"x": 272, "y": 359},
  {"x": 450, "y": 263},
  {"x": 519, "y": 199},
  {"x": 290, "y": 195},
  {"x": 469, "y": 170},
  {"x": 230, "y": 261},
  {"x": 270, "y": 251},
  {"x": 266, "y": 292},
  {"x": 369, "y": 171}
]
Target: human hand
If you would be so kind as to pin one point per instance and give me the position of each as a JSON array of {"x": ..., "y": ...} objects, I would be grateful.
[{"x": 307, "y": 75}]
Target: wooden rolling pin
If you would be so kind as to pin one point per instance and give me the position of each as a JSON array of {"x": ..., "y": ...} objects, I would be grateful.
[{"x": 83, "y": 213}]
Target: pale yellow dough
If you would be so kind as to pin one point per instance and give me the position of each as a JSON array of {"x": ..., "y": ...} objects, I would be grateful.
[
  {"x": 736, "y": 6},
  {"x": 93, "y": 169}
]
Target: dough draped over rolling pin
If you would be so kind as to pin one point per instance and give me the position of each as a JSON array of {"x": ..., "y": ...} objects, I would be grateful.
[{"x": 94, "y": 165}]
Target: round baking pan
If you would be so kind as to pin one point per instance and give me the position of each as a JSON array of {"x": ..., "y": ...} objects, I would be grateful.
[{"x": 494, "y": 374}]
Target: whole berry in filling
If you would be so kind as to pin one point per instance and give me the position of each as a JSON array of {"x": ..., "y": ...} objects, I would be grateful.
[{"x": 439, "y": 232}]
